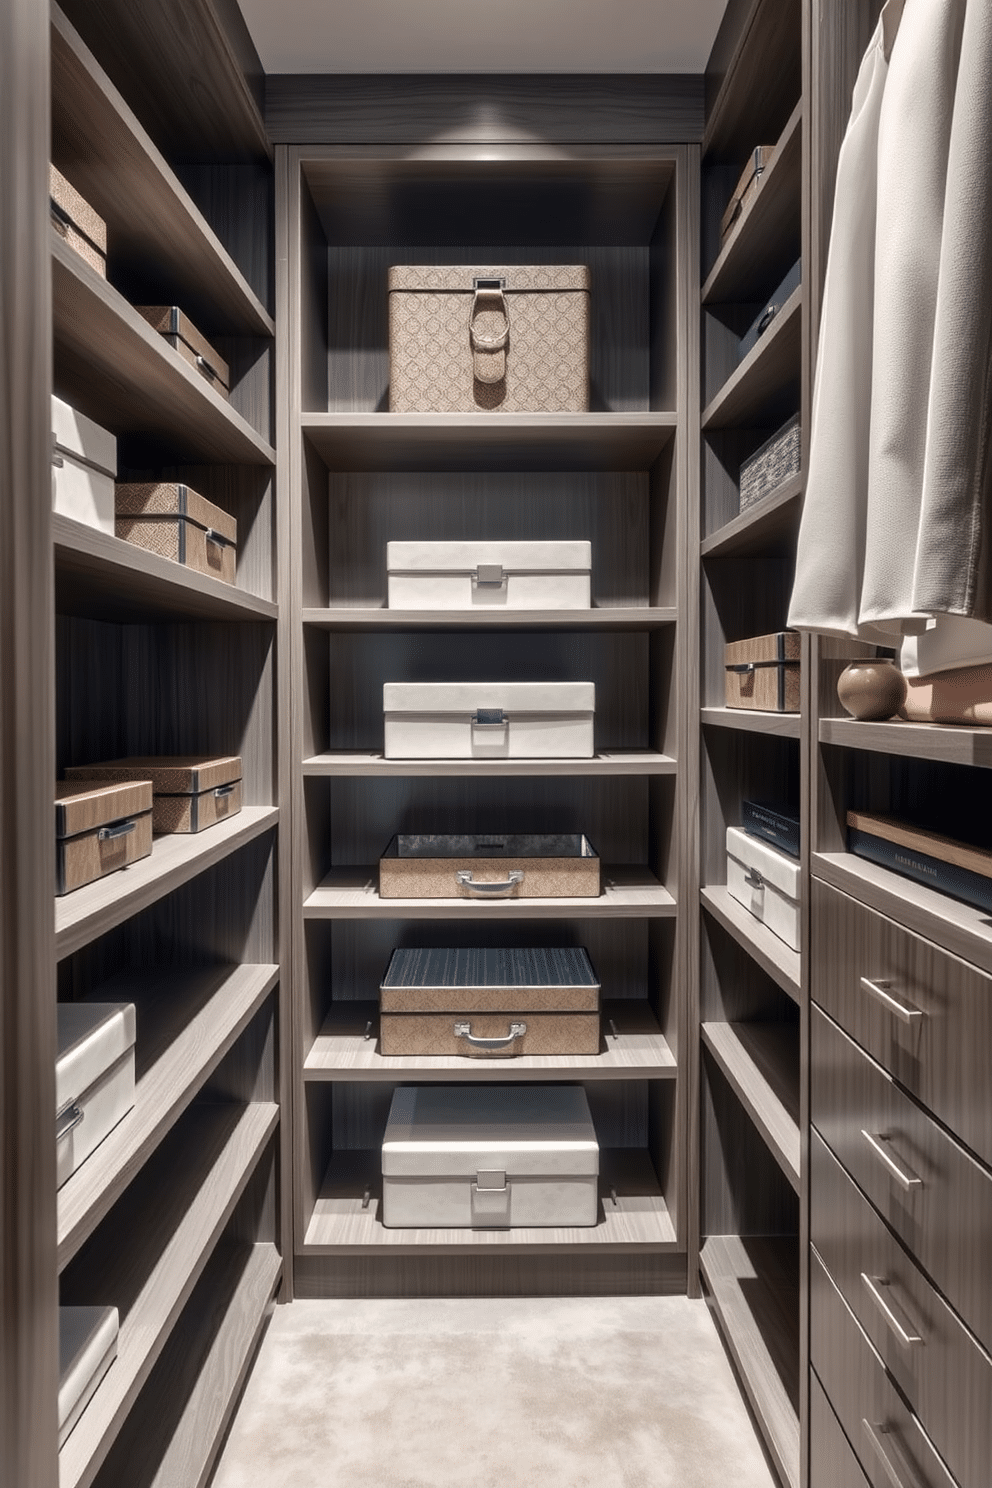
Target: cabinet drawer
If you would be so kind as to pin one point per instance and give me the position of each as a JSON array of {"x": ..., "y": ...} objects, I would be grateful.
[
  {"x": 889, "y": 1441},
  {"x": 832, "y": 1464},
  {"x": 935, "y": 1196},
  {"x": 944, "y": 1375},
  {"x": 926, "y": 1016}
]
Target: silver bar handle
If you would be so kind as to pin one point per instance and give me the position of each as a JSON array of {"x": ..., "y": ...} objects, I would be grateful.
[
  {"x": 205, "y": 367},
  {"x": 67, "y": 1119},
  {"x": 882, "y": 993},
  {"x": 489, "y": 576},
  {"x": 117, "y": 829},
  {"x": 464, "y": 1030},
  {"x": 223, "y": 790},
  {"x": 217, "y": 539},
  {"x": 463, "y": 876},
  {"x": 898, "y": 1471},
  {"x": 894, "y": 1316},
  {"x": 489, "y": 718},
  {"x": 753, "y": 879},
  {"x": 904, "y": 1176}
]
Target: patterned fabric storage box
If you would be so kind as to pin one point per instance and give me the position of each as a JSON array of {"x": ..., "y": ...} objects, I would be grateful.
[
  {"x": 77, "y": 223},
  {"x": 489, "y": 1157},
  {"x": 489, "y": 575},
  {"x": 99, "y": 827},
  {"x": 94, "y": 1077},
  {"x": 489, "y": 720},
  {"x": 84, "y": 465},
  {"x": 766, "y": 882},
  {"x": 178, "y": 523},
  {"x": 777, "y": 461},
  {"x": 183, "y": 336},
  {"x": 489, "y": 1003},
  {"x": 191, "y": 791},
  {"x": 763, "y": 673},
  {"x": 87, "y": 1348},
  {"x": 467, "y": 339},
  {"x": 508, "y": 867}
]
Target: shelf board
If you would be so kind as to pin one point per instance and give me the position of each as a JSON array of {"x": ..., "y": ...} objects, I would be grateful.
[
  {"x": 763, "y": 78},
  {"x": 638, "y": 1051},
  {"x": 772, "y": 366},
  {"x": 768, "y": 529},
  {"x": 754, "y": 1286},
  {"x": 187, "y": 1020},
  {"x": 778, "y": 960},
  {"x": 608, "y": 762},
  {"x": 753, "y": 721},
  {"x": 767, "y": 236},
  {"x": 761, "y": 1063},
  {"x": 630, "y": 617},
  {"x": 488, "y": 441},
  {"x": 93, "y": 910},
  {"x": 101, "y": 577},
  {"x": 116, "y": 369},
  {"x": 952, "y": 744},
  {"x": 959, "y": 928},
  {"x": 163, "y": 1236},
  {"x": 638, "y": 1220},
  {"x": 151, "y": 220},
  {"x": 353, "y": 894}
]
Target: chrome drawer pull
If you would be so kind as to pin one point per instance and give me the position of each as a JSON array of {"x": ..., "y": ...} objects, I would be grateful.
[
  {"x": 221, "y": 791},
  {"x": 67, "y": 1119},
  {"x": 464, "y": 1030},
  {"x": 898, "y": 1471},
  {"x": 489, "y": 890},
  {"x": 905, "y": 1177},
  {"x": 894, "y": 1316},
  {"x": 118, "y": 829},
  {"x": 882, "y": 992}
]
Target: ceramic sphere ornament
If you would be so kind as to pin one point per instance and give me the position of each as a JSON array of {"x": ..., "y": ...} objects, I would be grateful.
[{"x": 872, "y": 690}]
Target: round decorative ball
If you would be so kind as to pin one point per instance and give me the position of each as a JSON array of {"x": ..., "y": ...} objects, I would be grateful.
[{"x": 872, "y": 690}]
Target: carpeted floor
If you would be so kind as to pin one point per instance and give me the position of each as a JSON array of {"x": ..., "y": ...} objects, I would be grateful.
[{"x": 630, "y": 1392}]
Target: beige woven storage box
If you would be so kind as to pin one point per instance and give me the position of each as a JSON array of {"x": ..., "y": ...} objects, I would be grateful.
[
  {"x": 178, "y": 523},
  {"x": 76, "y": 222},
  {"x": 527, "y": 866},
  {"x": 192, "y": 791},
  {"x": 464, "y": 339}
]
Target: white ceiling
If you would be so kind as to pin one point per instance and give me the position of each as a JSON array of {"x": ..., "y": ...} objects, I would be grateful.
[{"x": 483, "y": 35}]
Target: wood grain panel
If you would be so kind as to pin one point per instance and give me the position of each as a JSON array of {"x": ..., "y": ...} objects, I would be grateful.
[
  {"x": 832, "y": 1463},
  {"x": 761, "y": 1062},
  {"x": 238, "y": 202},
  {"x": 767, "y": 529},
  {"x": 750, "y": 95},
  {"x": 589, "y": 1273},
  {"x": 762, "y": 945},
  {"x": 370, "y": 763},
  {"x": 766, "y": 239},
  {"x": 764, "y": 382},
  {"x": 743, "y": 1190}
]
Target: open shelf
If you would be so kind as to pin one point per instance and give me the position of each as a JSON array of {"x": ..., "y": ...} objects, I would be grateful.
[
  {"x": 633, "y": 1215},
  {"x": 608, "y": 762},
  {"x": 91, "y": 911},
  {"x": 632, "y": 617},
  {"x": 781, "y": 963},
  {"x": 187, "y": 1021},
  {"x": 766, "y": 238},
  {"x": 768, "y": 369},
  {"x": 487, "y": 441},
  {"x": 753, "y": 721},
  {"x": 105, "y": 578},
  {"x": 170, "y": 1232},
  {"x": 950, "y": 744},
  {"x": 353, "y": 893},
  {"x": 768, "y": 529},
  {"x": 751, "y": 99},
  {"x": 754, "y": 1286},
  {"x": 637, "y": 1049},
  {"x": 151, "y": 219},
  {"x": 117, "y": 370},
  {"x": 761, "y": 1063}
]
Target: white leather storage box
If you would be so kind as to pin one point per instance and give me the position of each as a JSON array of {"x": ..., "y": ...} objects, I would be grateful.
[
  {"x": 489, "y": 575},
  {"x": 488, "y": 1157},
  {"x": 87, "y": 1348},
  {"x": 766, "y": 882},
  {"x": 84, "y": 468},
  {"x": 94, "y": 1077},
  {"x": 489, "y": 720}
]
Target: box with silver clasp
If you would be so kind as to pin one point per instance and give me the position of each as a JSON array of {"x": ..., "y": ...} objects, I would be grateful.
[
  {"x": 512, "y": 866},
  {"x": 173, "y": 520},
  {"x": 489, "y": 575},
  {"x": 766, "y": 882},
  {"x": 194, "y": 348},
  {"x": 94, "y": 1077},
  {"x": 489, "y": 720},
  {"x": 99, "y": 827},
  {"x": 192, "y": 791}
]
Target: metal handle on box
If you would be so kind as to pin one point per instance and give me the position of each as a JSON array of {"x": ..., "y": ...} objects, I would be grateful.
[
  {"x": 116, "y": 829},
  {"x": 895, "y": 1318},
  {"x": 464, "y": 1030},
  {"x": 893, "y": 1463},
  {"x": 489, "y": 718},
  {"x": 753, "y": 879},
  {"x": 223, "y": 790},
  {"x": 67, "y": 1119},
  {"x": 882, "y": 992},
  {"x": 463, "y": 876},
  {"x": 904, "y": 1176},
  {"x": 216, "y": 538},
  {"x": 205, "y": 367},
  {"x": 489, "y": 576}
]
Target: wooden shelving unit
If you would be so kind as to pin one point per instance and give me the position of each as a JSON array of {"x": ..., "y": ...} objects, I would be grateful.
[
  {"x": 352, "y": 893},
  {"x": 610, "y": 762},
  {"x": 760, "y": 1060},
  {"x": 779, "y": 961},
  {"x": 753, "y": 721},
  {"x": 605, "y": 617}
]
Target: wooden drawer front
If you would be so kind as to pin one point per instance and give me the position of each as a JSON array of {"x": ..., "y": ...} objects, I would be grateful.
[
  {"x": 941, "y": 1206},
  {"x": 887, "y": 1438},
  {"x": 832, "y": 1464},
  {"x": 945, "y": 1376},
  {"x": 941, "y": 1055}
]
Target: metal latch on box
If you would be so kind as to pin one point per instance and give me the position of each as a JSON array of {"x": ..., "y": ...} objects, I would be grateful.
[
  {"x": 489, "y": 718},
  {"x": 753, "y": 879},
  {"x": 491, "y": 1199},
  {"x": 490, "y": 576}
]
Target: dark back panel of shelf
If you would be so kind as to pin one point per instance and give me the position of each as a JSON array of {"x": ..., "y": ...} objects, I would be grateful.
[
  {"x": 743, "y": 1190},
  {"x": 238, "y": 200},
  {"x": 736, "y": 766},
  {"x": 733, "y": 987},
  {"x": 314, "y": 309},
  {"x": 741, "y": 597},
  {"x": 587, "y": 1274},
  {"x": 248, "y": 1070},
  {"x": 751, "y": 102}
]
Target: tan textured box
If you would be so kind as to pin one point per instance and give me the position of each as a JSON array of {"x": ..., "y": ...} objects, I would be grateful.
[
  {"x": 763, "y": 673},
  {"x": 178, "y": 523},
  {"x": 191, "y": 791},
  {"x": 508, "y": 867},
  {"x": 192, "y": 346},
  {"x": 76, "y": 222},
  {"x": 746, "y": 189},
  {"x": 99, "y": 828},
  {"x": 963, "y": 696}
]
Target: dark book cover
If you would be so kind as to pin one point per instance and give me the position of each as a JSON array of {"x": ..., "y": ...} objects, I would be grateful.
[
  {"x": 935, "y": 873},
  {"x": 778, "y": 825}
]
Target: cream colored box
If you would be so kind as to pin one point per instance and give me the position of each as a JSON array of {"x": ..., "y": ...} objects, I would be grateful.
[
  {"x": 84, "y": 467},
  {"x": 489, "y": 575},
  {"x": 766, "y": 882},
  {"x": 489, "y": 720}
]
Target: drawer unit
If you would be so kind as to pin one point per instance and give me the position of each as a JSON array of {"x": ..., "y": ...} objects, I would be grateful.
[
  {"x": 890, "y": 1443},
  {"x": 832, "y": 1464},
  {"x": 935, "y": 1196},
  {"x": 924, "y": 1015},
  {"x": 932, "y": 1358}
]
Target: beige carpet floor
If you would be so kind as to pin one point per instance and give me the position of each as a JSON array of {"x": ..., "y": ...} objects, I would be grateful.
[{"x": 499, "y": 1393}]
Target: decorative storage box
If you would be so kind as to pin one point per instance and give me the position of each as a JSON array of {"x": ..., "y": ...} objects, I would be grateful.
[
  {"x": 940, "y": 863},
  {"x": 775, "y": 462},
  {"x": 99, "y": 828},
  {"x": 87, "y": 1348},
  {"x": 962, "y": 696},
  {"x": 94, "y": 1077},
  {"x": 181, "y": 333},
  {"x": 517, "y": 867},
  {"x": 778, "y": 825},
  {"x": 489, "y": 1003},
  {"x": 498, "y": 575},
  {"x": 489, "y": 1157},
  {"x": 763, "y": 321},
  {"x": 191, "y": 791},
  {"x": 766, "y": 882},
  {"x": 84, "y": 467},
  {"x": 763, "y": 673},
  {"x": 77, "y": 223},
  {"x": 464, "y": 339},
  {"x": 178, "y": 523},
  {"x": 760, "y": 159},
  {"x": 489, "y": 720}
]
